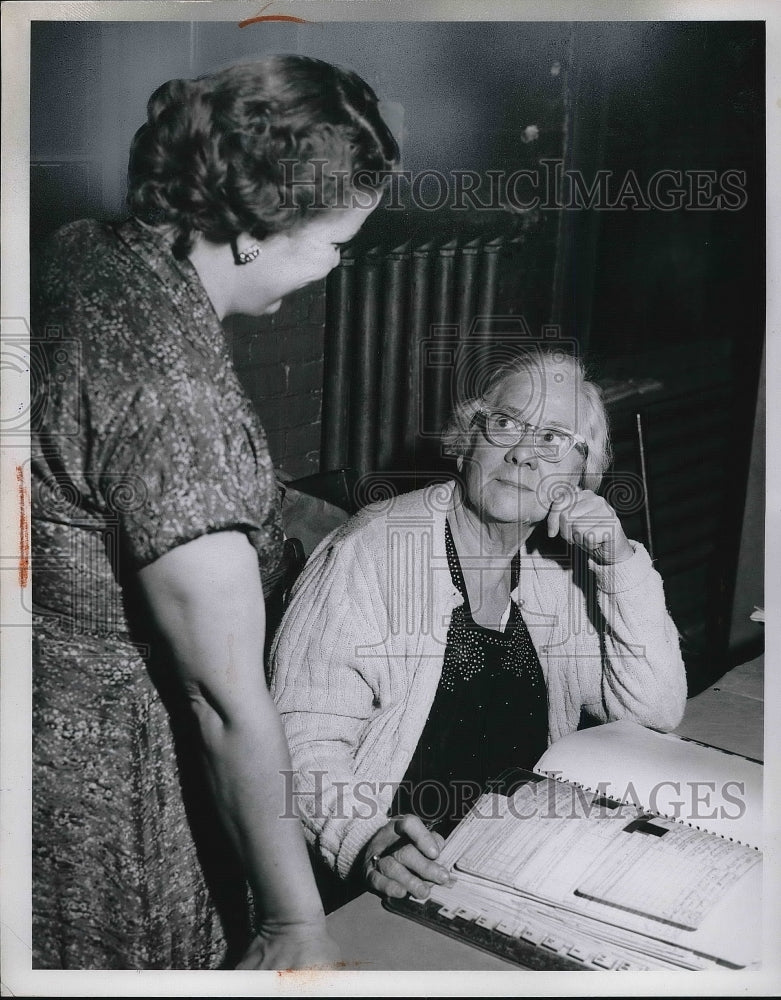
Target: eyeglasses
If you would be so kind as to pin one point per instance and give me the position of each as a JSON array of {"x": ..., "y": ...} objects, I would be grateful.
[{"x": 552, "y": 444}]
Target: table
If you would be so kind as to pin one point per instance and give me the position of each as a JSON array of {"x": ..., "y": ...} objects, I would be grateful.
[{"x": 729, "y": 715}]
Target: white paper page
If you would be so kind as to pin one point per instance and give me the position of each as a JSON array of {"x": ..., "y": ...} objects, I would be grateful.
[
  {"x": 677, "y": 877},
  {"x": 544, "y": 841},
  {"x": 702, "y": 786}
]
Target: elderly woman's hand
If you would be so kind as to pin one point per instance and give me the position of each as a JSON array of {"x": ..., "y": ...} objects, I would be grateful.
[
  {"x": 399, "y": 859},
  {"x": 587, "y": 520}
]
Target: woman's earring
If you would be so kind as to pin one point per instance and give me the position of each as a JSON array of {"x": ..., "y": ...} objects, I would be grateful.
[
  {"x": 244, "y": 256},
  {"x": 248, "y": 255}
]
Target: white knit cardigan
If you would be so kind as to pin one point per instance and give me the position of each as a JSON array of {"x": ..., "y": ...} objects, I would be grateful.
[{"x": 357, "y": 660}]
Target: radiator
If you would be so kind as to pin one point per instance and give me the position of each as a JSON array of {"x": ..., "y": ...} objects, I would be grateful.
[{"x": 395, "y": 320}]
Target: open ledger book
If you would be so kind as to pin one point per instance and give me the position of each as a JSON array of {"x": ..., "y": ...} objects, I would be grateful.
[{"x": 624, "y": 849}]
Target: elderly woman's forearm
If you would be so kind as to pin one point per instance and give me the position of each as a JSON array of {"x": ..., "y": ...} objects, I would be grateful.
[
  {"x": 340, "y": 808},
  {"x": 644, "y": 675}
]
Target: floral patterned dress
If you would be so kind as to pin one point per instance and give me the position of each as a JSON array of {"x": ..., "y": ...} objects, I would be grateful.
[{"x": 142, "y": 440}]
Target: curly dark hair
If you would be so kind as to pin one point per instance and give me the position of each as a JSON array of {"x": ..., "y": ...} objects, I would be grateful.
[{"x": 223, "y": 154}]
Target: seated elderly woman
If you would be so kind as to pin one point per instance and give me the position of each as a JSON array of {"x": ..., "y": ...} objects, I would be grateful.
[{"x": 442, "y": 636}]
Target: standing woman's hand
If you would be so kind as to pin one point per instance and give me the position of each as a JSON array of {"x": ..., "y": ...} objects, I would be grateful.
[
  {"x": 302, "y": 945},
  {"x": 207, "y": 601},
  {"x": 587, "y": 520}
]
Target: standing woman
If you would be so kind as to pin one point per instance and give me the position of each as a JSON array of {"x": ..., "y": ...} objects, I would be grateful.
[{"x": 161, "y": 837}]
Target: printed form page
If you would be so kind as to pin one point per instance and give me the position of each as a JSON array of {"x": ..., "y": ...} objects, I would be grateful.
[{"x": 636, "y": 874}]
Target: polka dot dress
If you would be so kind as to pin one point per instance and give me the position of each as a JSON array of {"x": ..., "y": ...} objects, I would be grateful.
[{"x": 489, "y": 713}]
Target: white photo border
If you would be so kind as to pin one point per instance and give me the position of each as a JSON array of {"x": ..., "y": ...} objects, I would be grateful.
[{"x": 15, "y": 681}]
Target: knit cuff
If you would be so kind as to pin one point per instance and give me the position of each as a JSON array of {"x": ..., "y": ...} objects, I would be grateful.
[
  {"x": 357, "y": 838},
  {"x": 620, "y": 577}
]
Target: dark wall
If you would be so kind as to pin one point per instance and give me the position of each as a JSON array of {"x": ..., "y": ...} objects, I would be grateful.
[
  {"x": 459, "y": 95},
  {"x": 679, "y": 294},
  {"x": 673, "y": 97}
]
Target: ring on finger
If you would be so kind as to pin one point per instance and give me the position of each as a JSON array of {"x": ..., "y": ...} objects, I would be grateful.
[{"x": 374, "y": 863}]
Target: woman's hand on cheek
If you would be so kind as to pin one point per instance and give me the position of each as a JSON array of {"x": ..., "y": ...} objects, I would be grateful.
[
  {"x": 400, "y": 859},
  {"x": 587, "y": 520}
]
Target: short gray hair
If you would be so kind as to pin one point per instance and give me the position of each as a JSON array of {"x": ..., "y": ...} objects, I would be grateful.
[{"x": 541, "y": 362}]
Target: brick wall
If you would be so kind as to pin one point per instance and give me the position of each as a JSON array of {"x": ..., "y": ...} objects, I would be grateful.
[{"x": 279, "y": 360}]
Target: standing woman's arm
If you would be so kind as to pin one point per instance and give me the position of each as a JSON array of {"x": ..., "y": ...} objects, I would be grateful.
[{"x": 207, "y": 600}]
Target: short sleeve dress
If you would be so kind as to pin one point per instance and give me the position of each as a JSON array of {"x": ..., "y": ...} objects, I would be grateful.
[{"x": 143, "y": 440}]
